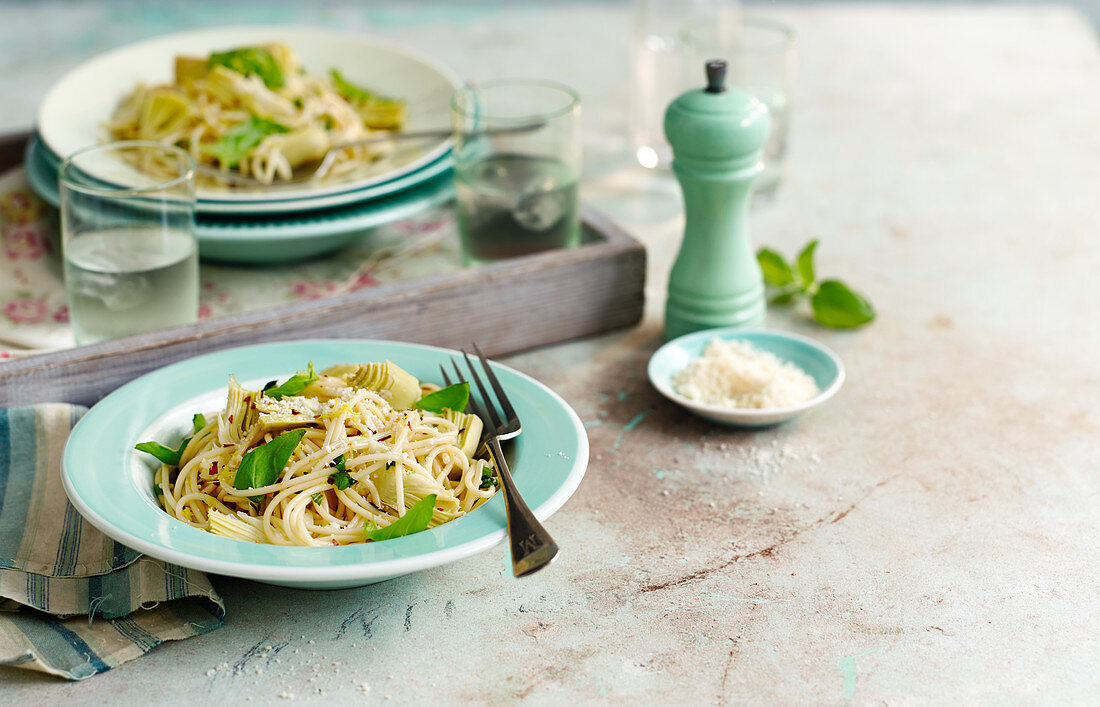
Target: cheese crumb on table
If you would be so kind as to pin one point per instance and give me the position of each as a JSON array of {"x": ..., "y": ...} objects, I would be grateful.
[{"x": 736, "y": 374}]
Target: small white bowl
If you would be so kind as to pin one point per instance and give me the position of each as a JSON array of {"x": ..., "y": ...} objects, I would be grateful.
[{"x": 816, "y": 360}]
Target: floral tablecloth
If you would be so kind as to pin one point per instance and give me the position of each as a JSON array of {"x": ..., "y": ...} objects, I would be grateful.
[{"x": 34, "y": 317}]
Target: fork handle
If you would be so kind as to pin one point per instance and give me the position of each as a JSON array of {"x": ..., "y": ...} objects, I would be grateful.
[{"x": 532, "y": 546}]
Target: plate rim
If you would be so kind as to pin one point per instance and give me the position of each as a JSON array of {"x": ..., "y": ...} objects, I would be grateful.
[
  {"x": 319, "y": 573},
  {"x": 748, "y": 416},
  {"x": 252, "y": 229},
  {"x": 298, "y": 205},
  {"x": 42, "y": 115}
]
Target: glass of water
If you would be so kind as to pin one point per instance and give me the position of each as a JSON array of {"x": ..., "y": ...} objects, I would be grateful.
[
  {"x": 517, "y": 164},
  {"x": 128, "y": 239},
  {"x": 668, "y": 53}
]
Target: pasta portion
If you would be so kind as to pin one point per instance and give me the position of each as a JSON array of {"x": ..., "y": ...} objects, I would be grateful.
[
  {"x": 357, "y": 453},
  {"x": 256, "y": 111}
]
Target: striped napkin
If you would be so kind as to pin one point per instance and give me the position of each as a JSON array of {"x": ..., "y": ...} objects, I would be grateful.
[{"x": 73, "y": 602}]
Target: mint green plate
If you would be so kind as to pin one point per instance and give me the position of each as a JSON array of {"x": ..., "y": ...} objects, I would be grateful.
[
  {"x": 111, "y": 485},
  {"x": 819, "y": 362},
  {"x": 277, "y": 238}
]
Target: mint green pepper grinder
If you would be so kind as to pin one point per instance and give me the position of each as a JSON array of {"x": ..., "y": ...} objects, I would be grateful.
[{"x": 716, "y": 135}]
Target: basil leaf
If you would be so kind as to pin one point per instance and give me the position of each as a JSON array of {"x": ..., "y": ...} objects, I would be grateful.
[
  {"x": 261, "y": 465},
  {"x": 488, "y": 478},
  {"x": 248, "y": 61},
  {"x": 350, "y": 91},
  {"x": 837, "y": 306},
  {"x": 338, "y": 463},
  {"x": 171, "y": 457},
  {"x": 242, "y": 137},
  {"x": 785, "y": 297},
  {"x": 775, "y": 268},
  {"x": 294, "y": 384},
  {"x": 453, "y": 397},
  {"x": 340, "y": 480},
  {"x": 198, "y": 422},
  {"x": 806, "y": 264},
  {"x": 318, "y": 497},
  {"x": 414, "y": 520}
]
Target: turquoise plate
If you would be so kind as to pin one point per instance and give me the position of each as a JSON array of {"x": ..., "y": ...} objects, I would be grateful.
[
  {"x": 279, "y": 237},
  {"x": 819, "y": 362},
  {"x": 276, "y": 205},
  {"x": 111, "y": 485}
]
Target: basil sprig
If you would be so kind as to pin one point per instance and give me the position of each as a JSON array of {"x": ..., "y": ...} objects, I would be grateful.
[
  {"x": 261, "y": 465},
  {"x": 236, "y": 142},
  {"x": 293, "y": 385},
  {"x": 351, "y": 92},
  {"x": 834, "y": 304},
  {"x": 167, "y": 455},
  {"x": 414, "y": 520},
  {"x": 247, "y": 61},
  {"x": 453, "y": 397}
]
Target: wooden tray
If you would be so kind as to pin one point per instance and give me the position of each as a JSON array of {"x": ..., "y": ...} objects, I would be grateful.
[{"x": 505, "y": 307}]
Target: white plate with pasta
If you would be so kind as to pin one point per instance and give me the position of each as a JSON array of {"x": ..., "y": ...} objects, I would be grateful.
[
  {"x": 320, "y": 464},
  {"x": 259, "y": 100}
]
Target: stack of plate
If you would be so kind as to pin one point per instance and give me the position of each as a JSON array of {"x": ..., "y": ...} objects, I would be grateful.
[{"x": 281, "y": 223}]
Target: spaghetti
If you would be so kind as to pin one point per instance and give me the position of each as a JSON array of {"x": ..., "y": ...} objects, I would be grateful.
[
  {"x": 364, "y": 456},
  {"x": 254, "y": 110}
]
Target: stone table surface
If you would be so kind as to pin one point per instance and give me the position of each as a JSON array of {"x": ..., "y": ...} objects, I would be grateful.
[{"x": 929, "y": 536}]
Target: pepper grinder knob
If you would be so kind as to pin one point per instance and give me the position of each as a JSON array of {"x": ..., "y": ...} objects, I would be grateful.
[
  {"x": 716, "y": 76},
  {"x": 716, "y": 134}
]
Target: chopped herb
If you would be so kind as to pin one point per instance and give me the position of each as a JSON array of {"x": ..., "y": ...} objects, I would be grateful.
[
  {"x": 293, "y": 385},
  {"x": 248, "y": 61},
  {"x": 340, "y": 480},
  {"x": 488, "y": 478},
  {"x": 414, "y": 520},
  {"x": 317, "y": 497},
  {"x": 453, "y": 397},
  {"x": 390, "y": 465},
  {"x": 261, "y": 465},
  {"x": 241, "y": 138},
  {"x": 198, "y": 422},
  {"x": 339, "y": 463}
]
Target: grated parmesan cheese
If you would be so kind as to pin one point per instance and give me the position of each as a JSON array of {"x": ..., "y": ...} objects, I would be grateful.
[{"x": 736, "y": 374}]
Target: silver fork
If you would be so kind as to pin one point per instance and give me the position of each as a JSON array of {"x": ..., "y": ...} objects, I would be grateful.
[
  {"x": 532, "y": 546},
  {"x": 319, "y": 168}
]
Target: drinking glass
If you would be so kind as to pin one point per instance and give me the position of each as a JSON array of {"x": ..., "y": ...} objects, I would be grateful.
[
  {"x": 128, "y": 239},
  {"x": 670, "y": 49},
  {"x": 517, "y": 162},
  {"x": 666, "y": 63}
]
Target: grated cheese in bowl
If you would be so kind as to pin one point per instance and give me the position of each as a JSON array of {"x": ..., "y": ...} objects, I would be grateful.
[{"x": 736, "y": 374}]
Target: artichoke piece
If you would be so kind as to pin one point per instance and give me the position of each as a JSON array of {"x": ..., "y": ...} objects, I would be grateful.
[
  {"x": 416, "y": 487},
  {"x": 304, "y": 145},
  {"x": 284, "y": 56},
  {"x": 287, "y": 413},
  {"x": 239, "y": 414},
  {"x": 469, "y": 430},
  {"x": 190, "y": 68},
  {"x": 399, "y": 387},
  {"x": 163, "y": 112},
  {"x": 342, "y": 371},
  {"x": 382, "y": 114},
  {"x": 235, "y": 527},
  {"x": 230, "y": 88}
]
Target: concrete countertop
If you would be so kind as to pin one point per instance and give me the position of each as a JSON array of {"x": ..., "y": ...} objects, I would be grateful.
[{"x": 931, "y": 535}]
